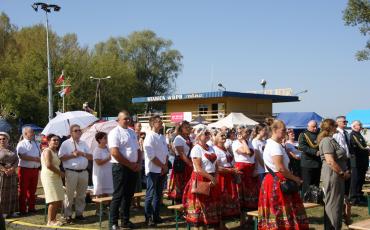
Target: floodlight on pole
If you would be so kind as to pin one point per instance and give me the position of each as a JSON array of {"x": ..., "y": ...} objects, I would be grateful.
[
  {"x": 47, "y": 8},
  {"x": 221, "y": 86},
  {"x": 263, "y": 84},
  {"x": 301, "y": 92},
  {"x": 97, "y": 91}
]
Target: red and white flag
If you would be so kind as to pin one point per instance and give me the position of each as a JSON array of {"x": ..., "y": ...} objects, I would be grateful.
[
  {"x": 60, "y": 79},
  {"x": 65, "y": 91}
]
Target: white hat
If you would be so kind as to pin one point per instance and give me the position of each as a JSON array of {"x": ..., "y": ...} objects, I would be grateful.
[{"x": 5, "y": 134}]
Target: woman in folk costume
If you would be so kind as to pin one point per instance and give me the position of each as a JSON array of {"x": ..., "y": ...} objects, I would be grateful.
[
  {"x": 279, "y": 209},
  {"x": 228, "y": 178},
  {"x": 182, "y": 166},
  {"x": 8, "y": 178},
  {"x": 202, "y": 209},
  {"x": 245, "y": 163}
]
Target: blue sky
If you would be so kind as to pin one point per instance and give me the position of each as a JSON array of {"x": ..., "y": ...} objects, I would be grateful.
[{"x": 297, "y": 44}]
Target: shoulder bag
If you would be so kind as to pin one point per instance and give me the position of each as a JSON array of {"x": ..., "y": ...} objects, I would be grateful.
[
  {"x": 287, "y": 186},
  {"x": 200, "y": 187}
]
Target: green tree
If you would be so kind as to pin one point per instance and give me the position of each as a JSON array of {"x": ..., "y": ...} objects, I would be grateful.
[
  {"x": 357, "y": 13},
  {"x": 140, "y": 65},
  {"x": 156, "y": 64}
]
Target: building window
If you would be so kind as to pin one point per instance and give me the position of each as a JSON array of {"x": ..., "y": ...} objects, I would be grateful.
[{"x": 203, "y": 109}]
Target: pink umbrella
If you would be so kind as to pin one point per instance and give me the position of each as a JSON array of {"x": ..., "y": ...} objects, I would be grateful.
[{"x": 89, "y": 135}]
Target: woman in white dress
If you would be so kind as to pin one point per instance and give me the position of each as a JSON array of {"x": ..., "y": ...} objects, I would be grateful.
[{"x": 102, "y": 169}]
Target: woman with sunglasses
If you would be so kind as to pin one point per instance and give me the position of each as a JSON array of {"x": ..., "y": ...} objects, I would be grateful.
[
  {"x": 182, "y": 166},
  {"x": 203, "y": 210},
  {"x": 245, "y": 162},
  {"x": 228, "y": 178},
  {"x": 51, "y": 178},
  {"x": 8, "y": 177}
]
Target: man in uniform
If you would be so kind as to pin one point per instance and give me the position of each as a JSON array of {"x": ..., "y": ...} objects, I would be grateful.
[
  {"x": 361, "y": 163},
  {"x": 310, "y": 160}
]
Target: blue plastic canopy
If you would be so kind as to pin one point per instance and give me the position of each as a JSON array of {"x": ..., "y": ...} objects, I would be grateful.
[
  {"x": 33, "y": 126},
  {"x": 361, "y": 115},
  {"x": 298, "y": 120},
  {"x": 4, "y": 126}
]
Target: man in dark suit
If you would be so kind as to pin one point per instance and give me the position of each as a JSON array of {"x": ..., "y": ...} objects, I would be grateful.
[
  {"x": 310, "y": 160},
  {"x": 360, "y": 165}
]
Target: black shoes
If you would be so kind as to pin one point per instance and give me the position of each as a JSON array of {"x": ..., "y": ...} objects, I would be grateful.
[
  {"x": 158, "y": 220},
  {"x": 68, "y": 219},
  {"x": 80, "y": 218},
  {"x": 129, "y": 225},
  {"x": 150, "y": 222},
  {"x": 116, "y": 227}
]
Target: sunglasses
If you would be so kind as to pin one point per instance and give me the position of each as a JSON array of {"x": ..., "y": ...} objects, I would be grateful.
[{"x": 223, "y": 135}]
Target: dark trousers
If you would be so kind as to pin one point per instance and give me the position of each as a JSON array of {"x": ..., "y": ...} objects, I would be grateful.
[
  {"x": 357, "y": 181},
  {"x": 154, "y": 193},
  {"x": 2, "y": 222},
  {"x": 347, "y": 183},
  {"x": 310, "y": 176},
  {"x": 124, "y": 181}
]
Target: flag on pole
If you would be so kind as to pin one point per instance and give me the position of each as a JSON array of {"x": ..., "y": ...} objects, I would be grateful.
[
  {"x": 60, "y": 79},
  {"x": 65, "y": 91}
]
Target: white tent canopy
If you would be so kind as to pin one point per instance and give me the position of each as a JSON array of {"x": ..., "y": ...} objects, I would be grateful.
[{"x": 233, "y": 119}]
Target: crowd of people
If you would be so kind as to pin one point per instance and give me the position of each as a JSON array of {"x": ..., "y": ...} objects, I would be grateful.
[{"x": 217, "y": 174}]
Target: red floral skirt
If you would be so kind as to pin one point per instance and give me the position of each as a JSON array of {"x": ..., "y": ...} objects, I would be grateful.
[
  {"x": 178, "y": 182},
  {"x": 247, "y": 189},
  {"x": 200, "y": 209},
  {"x": 277, "y": 211},
  {"x": 230, "y": 206}
]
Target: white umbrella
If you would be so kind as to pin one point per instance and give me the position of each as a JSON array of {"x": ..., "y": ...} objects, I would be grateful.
[
  {"x": 89, "y": 135},
  {"x": 60, "y": 124}
]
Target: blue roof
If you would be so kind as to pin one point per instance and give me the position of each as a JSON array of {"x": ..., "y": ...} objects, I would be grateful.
[
  {"x": 361, "y": 115},
  {"x": 298, "y": 120},
  {"x": 4, "y": 126},
  {"x": 33, "y": 126},
  {"x": 216, "y": 94}
]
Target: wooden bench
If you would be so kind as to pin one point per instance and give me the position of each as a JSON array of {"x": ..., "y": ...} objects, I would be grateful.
[
  {"x": 178, "y": 208},
  {"x": 361, "y": 225},
  {"x": 254, "y": 214},
  {"x": 367, "y": 191},
  {"x": 107, "y": 200}
]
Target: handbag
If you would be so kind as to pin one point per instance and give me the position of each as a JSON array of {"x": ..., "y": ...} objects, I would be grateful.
[
  {"x": 200, "y": 187},
  {"x": 178, "y": 165},
  {"x": 287, "y": 186},
  {"x": 237, "y": 179},
  {"x": 314, "y": 194}
]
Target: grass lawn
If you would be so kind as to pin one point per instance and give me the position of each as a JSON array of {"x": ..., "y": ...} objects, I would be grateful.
[{"x": 92, "y": 222}]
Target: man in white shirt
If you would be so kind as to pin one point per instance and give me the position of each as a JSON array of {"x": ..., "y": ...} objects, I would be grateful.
[
  {"x": 156, "y": 157},
  {"x": 28, "y": 151},
  {"x": 343, "y": 139},
  {"x": 124, "y": 148},
  {"x": 75, "y": 155}
]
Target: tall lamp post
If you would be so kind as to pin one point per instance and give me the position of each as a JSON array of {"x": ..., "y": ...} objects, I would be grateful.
[
  {"x": 47, "y": 8},
  {"x": 97, "y": 91}
]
